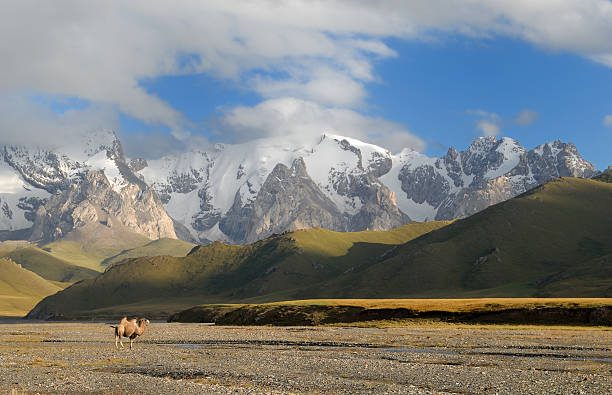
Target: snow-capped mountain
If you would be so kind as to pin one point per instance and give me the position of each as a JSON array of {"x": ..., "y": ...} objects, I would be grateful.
[
  {"x": 55, "y": 190},
  {"x": 219, "y": 194},
  {"x": 488, "y": 172},
  {"x": 243, "y": 192}
]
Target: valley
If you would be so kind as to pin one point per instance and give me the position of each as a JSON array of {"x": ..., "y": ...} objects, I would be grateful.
[
  {"x": 544, "y": 243},
  {"x": 195, "y": 358},
  {"x": 110, "y": 238},
  {"x": 306, "y": 197}
]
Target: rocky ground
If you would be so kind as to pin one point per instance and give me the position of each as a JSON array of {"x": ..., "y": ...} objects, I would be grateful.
[{"x": 196, "y": 358}]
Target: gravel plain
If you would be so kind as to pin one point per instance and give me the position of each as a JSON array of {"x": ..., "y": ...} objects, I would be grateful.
[{"x": 49, "y": 358}]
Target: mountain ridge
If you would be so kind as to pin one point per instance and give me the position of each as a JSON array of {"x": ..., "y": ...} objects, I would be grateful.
[
  {"x": 230, "y": 192},
  {"x": 544, "y": 243}
]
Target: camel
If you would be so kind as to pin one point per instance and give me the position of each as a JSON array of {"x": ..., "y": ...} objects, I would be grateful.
[{"x": 129, "y": 329}]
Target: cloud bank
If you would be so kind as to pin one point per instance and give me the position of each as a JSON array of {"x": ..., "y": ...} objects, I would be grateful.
[
  {"x": 306, "y": 119},
  {"x": 318, "y": 52}
]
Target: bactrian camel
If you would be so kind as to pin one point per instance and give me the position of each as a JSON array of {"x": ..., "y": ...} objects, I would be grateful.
[{"x": 129, "y": 329}]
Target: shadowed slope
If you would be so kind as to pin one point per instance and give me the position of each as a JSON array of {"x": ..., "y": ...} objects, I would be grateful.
[
  {"x": 545, "y": 242},
  {"x": 89, "y": 245},
  {"x": 272, "y": 268},
  {"x": 507, "y": 250},
  {"x": 48, "y": 266},
  {"x": 165, "y": 246}
]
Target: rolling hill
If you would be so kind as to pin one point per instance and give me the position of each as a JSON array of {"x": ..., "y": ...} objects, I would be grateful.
[
  {"x": 554, "y": 240},
  {"x": 163, "y": 246},
  {"x": 558, "y": 232},
  {"x": 278, "y": 265},
  {"x": 83, "y": 252},
  {"x": 91, "y": 244},
  {"x": 20, "y": 289},
  {"x": 49, "y": 266},
  {"x": 6, "y": 247}
]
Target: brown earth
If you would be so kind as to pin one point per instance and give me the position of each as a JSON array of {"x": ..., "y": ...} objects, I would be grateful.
[{"x": 80, "y": 357}]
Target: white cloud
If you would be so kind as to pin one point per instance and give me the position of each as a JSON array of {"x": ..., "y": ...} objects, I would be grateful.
[
  {"x": 488, "y": 127},
  {"x": 526, "y": 117},
  {"x": 325, "y": 86},
  {"x": 305, "y": 120},
  {"x": 27, "y": 122},
  {"x": 607, "y": 121},
  {"x": 319, "y": 51}
]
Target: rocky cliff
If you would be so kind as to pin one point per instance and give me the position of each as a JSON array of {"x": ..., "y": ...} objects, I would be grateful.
[
  {"x": 488, "y": 172},
  {"x": 243, "y": 192},
  {"x": 88, "y": 180},
  {"x": 94, "y": 200}
]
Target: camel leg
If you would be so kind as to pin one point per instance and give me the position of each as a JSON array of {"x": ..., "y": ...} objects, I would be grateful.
[
  {"x": 131, "y": 343},
  {"x": 116, "y": 340},
  {"x": 121, "y": 342}
]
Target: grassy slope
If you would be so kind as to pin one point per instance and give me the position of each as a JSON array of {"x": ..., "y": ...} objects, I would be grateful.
[
  {"x": 591, "y": 311},
  {"x": 553, "y": 229},
  {"x": 6, "y": 247},
  {"x": 325, "y": 242},
  {"x": 605, "y": 176},
  {"x": 165, "y": 246},
  {"x": 267, "y": 270},
  {"x": 21, "y": 289},
  {"x": 48, "y": 266},
  {"x": 84, "y": 252},
  {"x": 450, "y": 305},
  {"x": 587, "y": 278},
  {"x": 90, "y": 245},
  {"x": 550, "y": 241}
]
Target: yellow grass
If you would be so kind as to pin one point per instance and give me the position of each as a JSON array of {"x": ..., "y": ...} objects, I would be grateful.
[
  {"x": 433, "y": 323},
  {"x": 455, "y": 305}
]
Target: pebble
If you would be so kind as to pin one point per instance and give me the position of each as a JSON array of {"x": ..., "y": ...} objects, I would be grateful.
[{"x": 194, "y": 358}]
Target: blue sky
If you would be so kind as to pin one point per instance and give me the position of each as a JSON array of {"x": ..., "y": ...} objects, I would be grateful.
[
  {"x": 420, "y": 74},
  {"x": 430, "y": 87}
]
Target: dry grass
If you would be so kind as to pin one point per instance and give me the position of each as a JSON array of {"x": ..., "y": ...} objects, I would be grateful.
[
  {"x": 455, "y": 305},
  {"x": 439, "y": 324}
]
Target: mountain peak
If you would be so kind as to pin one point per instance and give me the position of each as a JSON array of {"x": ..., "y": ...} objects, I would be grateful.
[{"x": 216, "y": 193}]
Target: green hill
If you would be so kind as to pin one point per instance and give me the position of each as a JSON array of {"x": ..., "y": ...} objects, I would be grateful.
[
  {"x": 20, "y": 289},
  {"x": 515, "y": 248},
  {"x": 271, "y": 269},
  {"x": 554, "y": 240},
  {"x": 165, "y": 246},
  {"x": 96, "y": 247},
  {"x": 606, "y": 176},
  {"x": 6, "y": 247},
  {"x": 49, "y": 266},
  {"x": 87, "y": 252},
  {"x": 91, "y": 244}
]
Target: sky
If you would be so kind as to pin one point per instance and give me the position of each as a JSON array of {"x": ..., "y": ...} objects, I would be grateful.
[{"x": 421, "y": 74}]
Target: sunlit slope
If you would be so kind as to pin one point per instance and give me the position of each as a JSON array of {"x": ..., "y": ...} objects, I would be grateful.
[
  {"x": 6, "y": 247},
  {"x": 273, "y": 268},
  {"x": 91, "y": 244},
  {"x": 164, "y": 246},
  {"x": 49, "y": 266},
  {"x": 552, "y": 241},
  {"x": 517, "y": 248},
  {"x": 605, "y": 176},
  {"x": 20, "y": 289}
]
